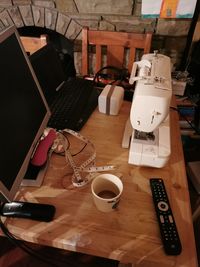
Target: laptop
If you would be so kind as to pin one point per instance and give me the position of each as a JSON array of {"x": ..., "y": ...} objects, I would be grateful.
[{"x": 71, "y": 102}]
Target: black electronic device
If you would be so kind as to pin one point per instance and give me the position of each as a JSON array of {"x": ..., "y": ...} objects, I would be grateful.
[
  {"x": 168, "y": 229},
  {"x": 24, "y": 114},
  {"x": 73, "y": 105},
  {"x": 34, "y": 211},
  {"x": 71, "y": 102}
]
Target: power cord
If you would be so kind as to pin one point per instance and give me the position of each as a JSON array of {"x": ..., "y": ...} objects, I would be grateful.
[
  {"x": 185, "y": 118},
  {"x": 118, "y": 74},
  {"x": 22, "y": 245}
]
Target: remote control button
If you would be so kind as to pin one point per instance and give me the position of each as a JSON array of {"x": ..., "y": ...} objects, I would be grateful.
[
  {"x": 163, "y": 206},
  {"x": 162, "y": 219},
  {"x": 170, "y": 219}
]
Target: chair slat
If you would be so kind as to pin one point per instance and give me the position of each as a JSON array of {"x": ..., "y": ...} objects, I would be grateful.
[
  {"x": 98, "y": 58},
  {"x": 131, "y": 58},
  {"x": 115, "y": 55},
  {"x": 116, "y": 43},
  {"x": 85, "y": 57}
]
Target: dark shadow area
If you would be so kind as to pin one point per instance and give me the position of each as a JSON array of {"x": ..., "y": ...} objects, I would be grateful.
[
  {"x": 12, "y": 256},
  {"x": 63, "y": 46}
]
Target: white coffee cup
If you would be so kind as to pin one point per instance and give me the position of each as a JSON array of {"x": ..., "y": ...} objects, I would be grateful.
[{"x": 106, "y": 191}]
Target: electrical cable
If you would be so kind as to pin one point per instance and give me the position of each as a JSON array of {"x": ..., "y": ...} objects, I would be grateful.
[
  {"x": 75, "y": 154},
  {"x": 69, "y": 144},
  {"x": 21, "y": 244},
  {"x": 185, "y": 118},
  {"x": 122, "y": 74}
]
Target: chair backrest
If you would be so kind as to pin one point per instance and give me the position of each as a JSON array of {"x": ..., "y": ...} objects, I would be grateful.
[
  {"x": 116, "y": 44},
  {"x": 32, "y": 44}
]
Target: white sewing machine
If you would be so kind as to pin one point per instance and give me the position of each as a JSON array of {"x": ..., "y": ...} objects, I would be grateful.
[{"x": 149, "y": 116}]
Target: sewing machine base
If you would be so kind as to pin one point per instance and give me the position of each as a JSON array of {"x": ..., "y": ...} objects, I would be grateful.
[{"x": 152, "y": 152}]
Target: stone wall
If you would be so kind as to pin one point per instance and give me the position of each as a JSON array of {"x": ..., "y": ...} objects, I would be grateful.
[
  {"x": 169, "y": 34},
  {"x": 67, "y": 17}
]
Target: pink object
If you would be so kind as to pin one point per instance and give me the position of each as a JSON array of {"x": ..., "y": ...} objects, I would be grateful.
[{"x": 40, "y": 156}]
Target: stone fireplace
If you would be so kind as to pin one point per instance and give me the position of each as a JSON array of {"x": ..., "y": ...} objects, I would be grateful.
[
  {"x": 33, "y": 20},
  {"x": 65, "y": 19},
  {"x": 45, "y": 16}
]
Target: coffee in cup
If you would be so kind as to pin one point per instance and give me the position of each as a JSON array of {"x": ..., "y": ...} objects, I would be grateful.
[{"x": 106, "y": 191}]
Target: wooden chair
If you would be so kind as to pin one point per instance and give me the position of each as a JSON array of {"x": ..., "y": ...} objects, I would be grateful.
[
  {"x": 117, "y": 44},
  {"x": 32, "y": 44}
]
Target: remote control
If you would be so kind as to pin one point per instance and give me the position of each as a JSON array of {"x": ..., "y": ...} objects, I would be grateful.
[
  {"x": 168, "y": 230},
  {"x": 34, "y": 211}
]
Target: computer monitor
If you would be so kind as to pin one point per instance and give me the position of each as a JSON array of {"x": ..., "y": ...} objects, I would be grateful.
[{"x": 24, "y": 113}]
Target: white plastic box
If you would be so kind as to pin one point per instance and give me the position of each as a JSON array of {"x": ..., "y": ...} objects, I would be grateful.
[
  {"x": 110, "y": 99},
  {"x": 178, "y": 87}
]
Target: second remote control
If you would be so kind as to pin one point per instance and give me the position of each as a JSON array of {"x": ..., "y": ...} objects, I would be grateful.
[{"x": 168, "y": 230}]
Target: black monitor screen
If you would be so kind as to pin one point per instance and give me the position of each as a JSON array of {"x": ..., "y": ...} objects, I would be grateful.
[{"x": 22, "y": 106}]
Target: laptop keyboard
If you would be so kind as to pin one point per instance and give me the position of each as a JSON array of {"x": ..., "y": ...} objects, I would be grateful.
[{"x": 73, "y": 105}]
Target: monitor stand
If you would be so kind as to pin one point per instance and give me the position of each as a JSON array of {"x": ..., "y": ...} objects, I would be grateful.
[
  {"x": 34, "y": 175},
  {"x": 40, "y": 160}
]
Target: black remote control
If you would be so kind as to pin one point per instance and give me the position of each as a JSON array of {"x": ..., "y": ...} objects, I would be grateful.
[
  {"x": 168, "y": 230},
  {"x": 34, "y": 211}
]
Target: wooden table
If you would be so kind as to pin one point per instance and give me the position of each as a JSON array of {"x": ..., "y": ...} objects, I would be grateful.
[{"x": 129, "y": 234}]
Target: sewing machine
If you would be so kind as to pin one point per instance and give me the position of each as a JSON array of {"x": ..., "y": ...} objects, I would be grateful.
[{"x": 148, "y": 126}]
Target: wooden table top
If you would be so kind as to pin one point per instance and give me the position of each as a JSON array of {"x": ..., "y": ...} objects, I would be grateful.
[{"x": 129, "y": 234}]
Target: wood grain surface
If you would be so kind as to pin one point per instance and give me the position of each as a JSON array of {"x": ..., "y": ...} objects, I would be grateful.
[{"x": 129, "y": 234}]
